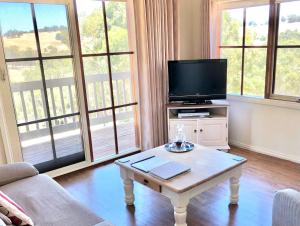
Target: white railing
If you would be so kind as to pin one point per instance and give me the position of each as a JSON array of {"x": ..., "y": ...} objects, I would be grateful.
[{"x": 30, "y": 102}]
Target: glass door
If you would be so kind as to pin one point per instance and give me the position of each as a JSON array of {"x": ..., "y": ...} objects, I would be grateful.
[
  {"x": 108, "y": 60},
  {"x": 39, "y": 64}
]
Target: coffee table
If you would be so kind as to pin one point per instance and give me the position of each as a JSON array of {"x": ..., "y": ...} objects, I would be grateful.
[{"x": 208, "y": 168}]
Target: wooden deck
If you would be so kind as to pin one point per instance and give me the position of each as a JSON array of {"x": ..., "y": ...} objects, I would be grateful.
[{"x": 39, "y": 149}]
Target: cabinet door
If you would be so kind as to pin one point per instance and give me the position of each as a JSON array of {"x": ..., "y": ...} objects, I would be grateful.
[
  {"x": 212, "y": 132},
  {"x": 190, "y": 130}
]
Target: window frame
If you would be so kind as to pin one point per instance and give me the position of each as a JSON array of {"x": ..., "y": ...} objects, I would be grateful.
[
  {"x": 108, "y": 53},
  {"x": 13, "y": 151},
  {"x": 272, "y": 47},
  {"x": 274, "y": 26},
  {"x": 243, "y": 47}
]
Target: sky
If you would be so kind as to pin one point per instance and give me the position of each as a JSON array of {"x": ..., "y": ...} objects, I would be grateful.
[
  {"x": 18, "y": 16},
  {"x": 260, "y": 13}
]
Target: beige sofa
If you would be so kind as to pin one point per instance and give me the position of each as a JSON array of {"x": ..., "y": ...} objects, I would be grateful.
[
  {"x": 286, "y": 208},
  {"x": 44, "y": 200}
]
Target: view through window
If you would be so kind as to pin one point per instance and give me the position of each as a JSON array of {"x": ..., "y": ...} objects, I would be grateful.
[
  {"x": 40, "y": 68},
  {"x": 244, "y": 42},
  {"x": 107, "y": 62}
]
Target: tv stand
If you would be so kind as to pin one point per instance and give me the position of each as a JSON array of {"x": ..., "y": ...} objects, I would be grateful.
[
  {"x": 211, "y": 130},
  {"x": 205, "y": 102}
]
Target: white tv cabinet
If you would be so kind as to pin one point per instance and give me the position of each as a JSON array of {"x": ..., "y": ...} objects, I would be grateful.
[{"x": 209, "y": 131}]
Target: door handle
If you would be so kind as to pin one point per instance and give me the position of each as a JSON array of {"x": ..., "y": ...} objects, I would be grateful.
[
  {"x": 195, "y": 131},
  {"x": 201, "y": 130}
]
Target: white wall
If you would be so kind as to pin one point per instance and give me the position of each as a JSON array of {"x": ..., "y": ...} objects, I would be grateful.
[
  {"x": 266, "y": 126},
  {"x": 188, "y": 28}
]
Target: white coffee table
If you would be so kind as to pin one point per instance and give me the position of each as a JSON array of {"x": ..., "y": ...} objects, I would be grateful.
[{"x": 208, "y": 169}]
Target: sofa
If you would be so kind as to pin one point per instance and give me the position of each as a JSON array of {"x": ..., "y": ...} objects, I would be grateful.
[
  {"x": 43, "y": 199},
  {"x": 286, "y": 208}
]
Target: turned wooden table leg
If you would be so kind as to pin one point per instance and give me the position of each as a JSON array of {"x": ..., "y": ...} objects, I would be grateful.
[
  {"x": 128, "y": 187},
  {"x": 234, "y": 190},
  {"x": 179, "y": 203},
  {"x": 180, "y": 216}
]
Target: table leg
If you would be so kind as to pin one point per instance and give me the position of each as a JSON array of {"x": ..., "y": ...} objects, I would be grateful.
[
  {"x": 180, "y": 216},
  {"x": 234, "y": 190},
  {"x": 128, "y": 187},
  {"x": 180, "y": 206}
]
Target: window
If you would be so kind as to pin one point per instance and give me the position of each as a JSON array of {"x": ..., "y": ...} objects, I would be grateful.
[
  {"x": 62, "y": 60},
  {"x": 40, "y": 69},
  {"x": 107, "y": 62},
  {"x": 244, "y": 39},
  {"x": 254, "y": 38},
  {"x": 287, "y": 65}
]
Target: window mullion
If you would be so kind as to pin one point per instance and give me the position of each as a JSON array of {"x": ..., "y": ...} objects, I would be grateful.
[
  {"x": 37, "y": 38},
  {"x": 110, "y": 76},
  {"x": 243, "y": 52},
  {"x": 271, "y": 52}
]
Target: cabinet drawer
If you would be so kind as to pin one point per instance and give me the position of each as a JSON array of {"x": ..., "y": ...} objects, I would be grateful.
[{"x": 151, "y": 184}]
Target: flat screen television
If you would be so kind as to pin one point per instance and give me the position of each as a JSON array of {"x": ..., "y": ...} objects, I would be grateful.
[{"x": 197, "y": 81}]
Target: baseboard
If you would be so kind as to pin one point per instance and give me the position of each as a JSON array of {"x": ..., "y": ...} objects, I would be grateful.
[{"x": 265, "y": 151}]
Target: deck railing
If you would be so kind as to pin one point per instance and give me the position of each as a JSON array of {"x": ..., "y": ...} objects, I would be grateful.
[{"x": 30, "y": 102}]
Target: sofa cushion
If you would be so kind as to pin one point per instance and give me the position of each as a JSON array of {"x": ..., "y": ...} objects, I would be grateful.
[
  {"x": 17, "y": 171},
  {"x": 5, "y": 219},
  {"x": 48, "y": 204},
  {"x": 12, "y": 210}
]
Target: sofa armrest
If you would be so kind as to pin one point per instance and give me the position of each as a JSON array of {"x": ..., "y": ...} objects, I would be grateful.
[
  {"x": 286, "y": 208},
  {"x": 16, "y": 171}
]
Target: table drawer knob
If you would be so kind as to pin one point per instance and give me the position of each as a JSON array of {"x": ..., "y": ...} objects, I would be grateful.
[{"x": 146, "y": 181}]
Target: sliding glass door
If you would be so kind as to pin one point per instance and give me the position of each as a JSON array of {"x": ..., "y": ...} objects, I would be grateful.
[
  {"x": 67, "y": 81},
  {"x": 109, "y": 78},
  {"x": 39, "y": 64}
]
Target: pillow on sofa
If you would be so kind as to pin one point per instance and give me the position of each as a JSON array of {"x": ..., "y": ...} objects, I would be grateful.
[
  {"x": 5, "y": 219},
  {"x": 13, "y": 211},
  {"x": 2, "y": 223}
]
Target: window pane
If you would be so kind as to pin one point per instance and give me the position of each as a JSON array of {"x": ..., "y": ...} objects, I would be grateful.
[
  {"x": 121, "y": 79},
  {"x": 60, "y": 86},
  {"x": 287, "y": 78},
  {"x": 53, "y": 29},
  {"x": 232, "y": 27},
  {"x": 234, "y": 74},
  {"x": 91, "y": 23},
  {"x": 257, "y": 22},
  {"x": 97, "y": 82},
  {"x": 36, "y": 143},
  {"x": 102, "y": 131},
  {"x": 126, "y": 128},
  {"x": 27, "y": 90},
  {"x": 117, "y": 26},
  {"x": 255, "y": 72},
  {"x": 289, "y": 24},
  {"x": 67, "y": 136},
  {"x": 18, "y": 36}
]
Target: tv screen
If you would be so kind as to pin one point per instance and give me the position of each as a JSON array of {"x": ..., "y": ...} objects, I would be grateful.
[{"x": 197, "y": 80}]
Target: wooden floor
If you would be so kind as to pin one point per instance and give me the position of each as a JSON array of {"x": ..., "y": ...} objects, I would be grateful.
[{"x": 101, "y": 190}]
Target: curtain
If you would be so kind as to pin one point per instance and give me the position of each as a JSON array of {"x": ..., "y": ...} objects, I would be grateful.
[
  {"x": 156, "y": 35},
  {"x": 209, "y": 24},
  {"x": 204, "y": 23}
]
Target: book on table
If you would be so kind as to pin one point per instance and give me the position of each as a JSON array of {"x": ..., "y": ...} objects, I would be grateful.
[{"x": 161, "y": 168}]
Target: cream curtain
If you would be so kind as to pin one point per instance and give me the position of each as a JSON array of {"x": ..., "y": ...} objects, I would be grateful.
[
  {"x": 209, "y": 24},
  {"x": 155, "y": 22}
]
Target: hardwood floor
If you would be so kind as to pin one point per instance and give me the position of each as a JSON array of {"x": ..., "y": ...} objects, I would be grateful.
[{"x": 101, "y": 190}]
